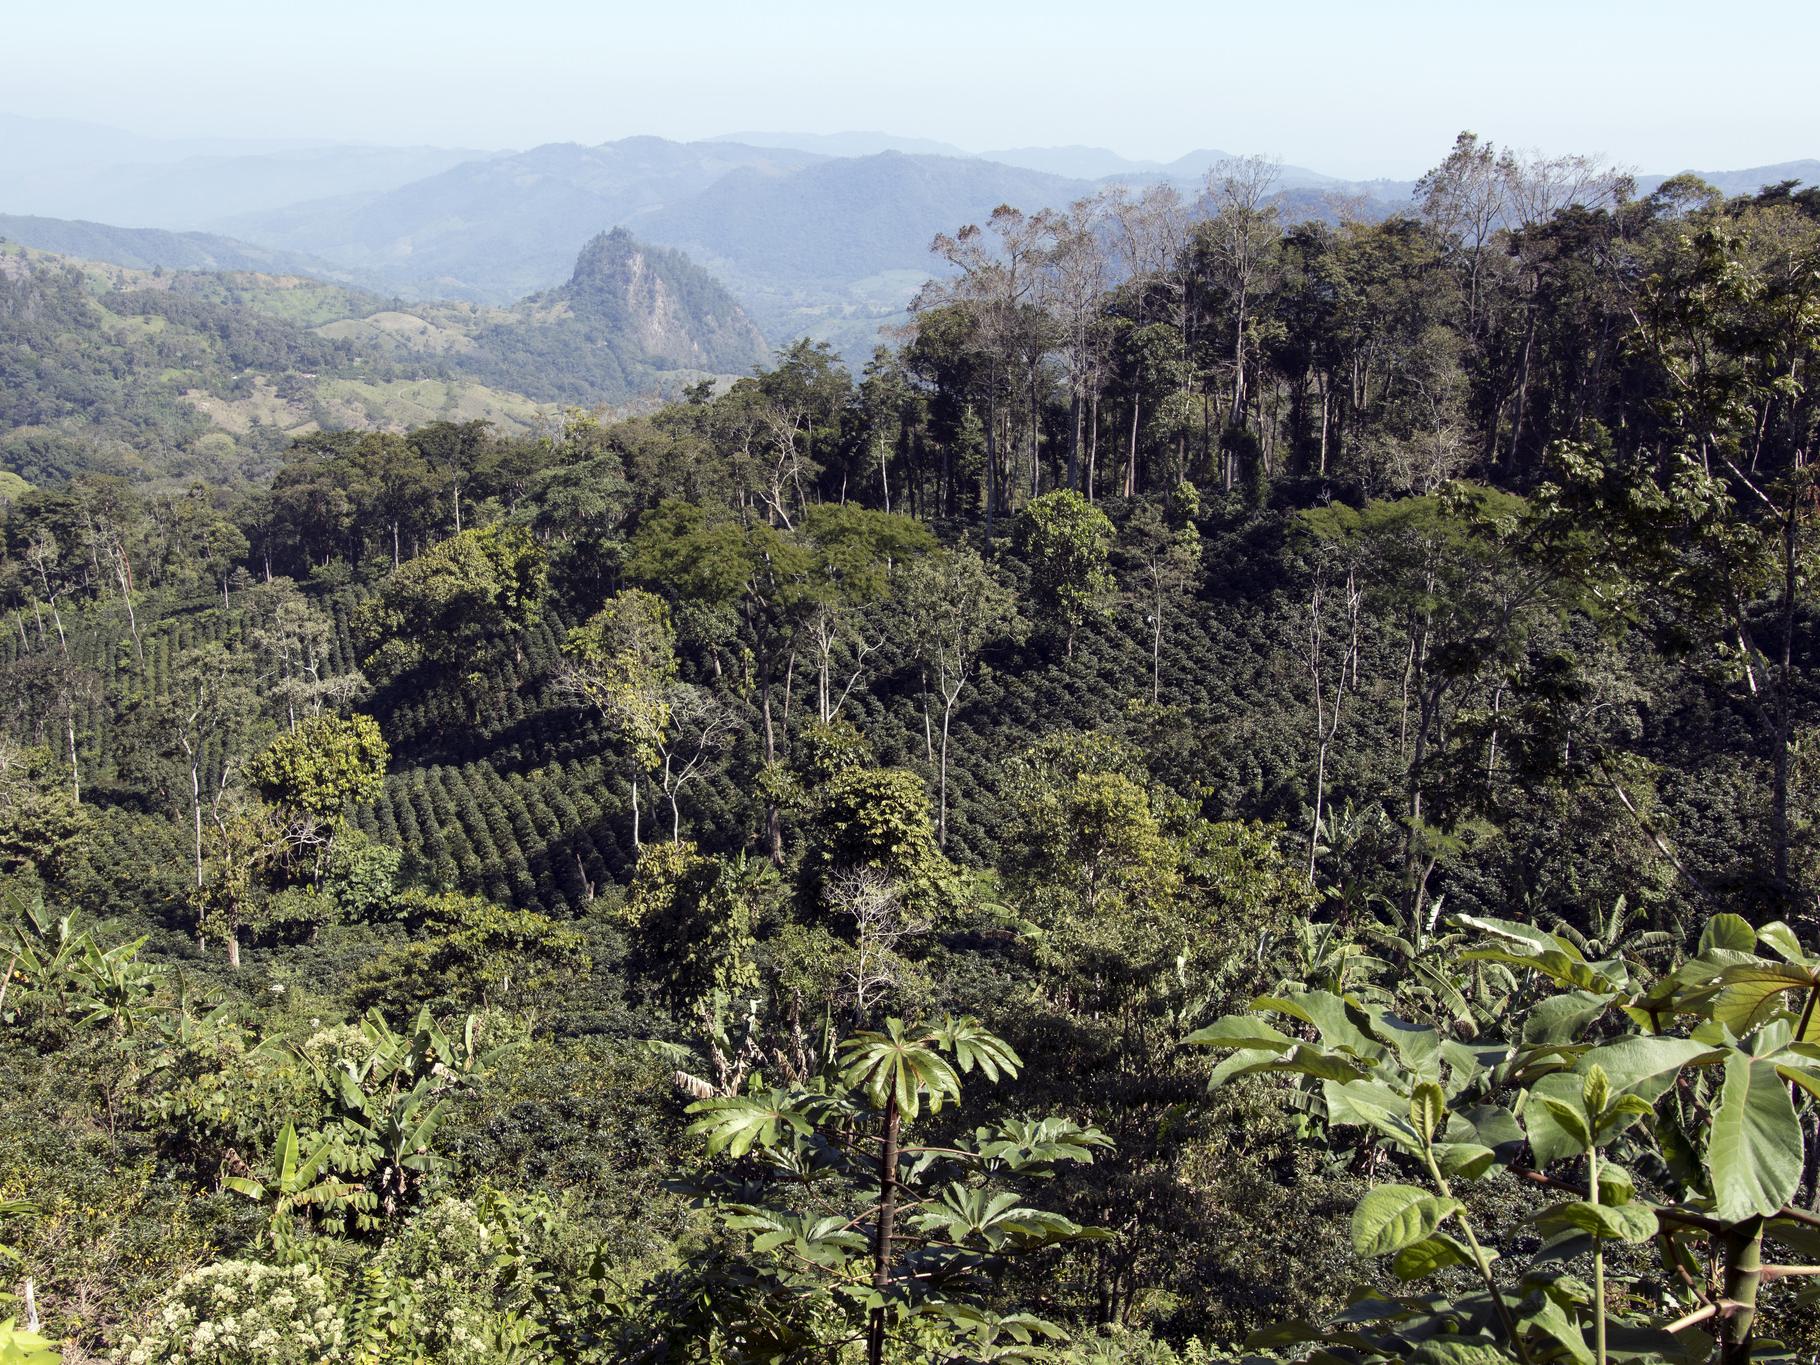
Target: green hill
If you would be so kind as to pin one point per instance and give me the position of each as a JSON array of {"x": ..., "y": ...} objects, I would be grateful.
[{"x": 209, "y": 374}]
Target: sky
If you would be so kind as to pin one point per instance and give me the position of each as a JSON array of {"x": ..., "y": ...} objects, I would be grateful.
[{"x": 1363, "y": 88}]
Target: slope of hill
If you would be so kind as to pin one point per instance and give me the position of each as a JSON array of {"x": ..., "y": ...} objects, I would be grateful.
[
  {"x": 155, "y": 248},
  {"x": 209, "y": 374},
  {"x": 631, "y": 319}
]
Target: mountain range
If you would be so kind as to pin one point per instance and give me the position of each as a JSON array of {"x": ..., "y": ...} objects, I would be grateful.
[{"x": 824, "y": 235}]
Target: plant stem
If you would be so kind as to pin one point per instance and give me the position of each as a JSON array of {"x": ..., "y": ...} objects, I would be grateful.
[
  {"x": 1743, "y": 1277},
  {"x": 1598, "y": 1259},
  {"x": 1479, "y": 1258}
]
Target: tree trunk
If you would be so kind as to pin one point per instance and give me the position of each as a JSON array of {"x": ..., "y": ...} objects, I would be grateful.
[
  {"x": 1093, "y": 447},
  {"x": 887, "y": 1227},
  {"x": 1074, "y": 447},
  {"x": 941, "y": 825},
  {"x": 75, "y": 768},
  {"x": 1156, "y": 646},
  {"x": 196, "y": 809},
  {"x": 1131, "y": 454}
]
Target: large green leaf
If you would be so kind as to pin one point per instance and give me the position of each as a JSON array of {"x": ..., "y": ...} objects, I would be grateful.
[
  {"x": 1559, "y": 1018},
  {"x": 1781, "y": 940},
  {"x": 1343, "y": 1026},
  {"x": 1427, "y": 1109},
  {"x": 1728, "y": 931},
  {"x": 1543, "y": 1314},
  {"x": 1750, "y": 996},
  {"x": 737, "y": 1123},
  {"x": 1372, "y": 1105},
  {"x": 1241, "y": 1031},
  {"x": 1646, "y": 1066},
  {"x": 1435, "y": 1252},
  {"x": 1549, "y": 1141},
  {"x": 1619, "y": 1222},
  {"x": 1392, "y": 1217},
  {"x": 1754, "y": 1152}
]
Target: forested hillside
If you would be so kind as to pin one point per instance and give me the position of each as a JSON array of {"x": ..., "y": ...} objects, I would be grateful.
[
  {"x": 210, "y": 374},
  {"x": 1241, "y": 792}
]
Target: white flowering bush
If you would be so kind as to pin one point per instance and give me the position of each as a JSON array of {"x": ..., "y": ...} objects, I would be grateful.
[{"x": 242, "y": 1313}]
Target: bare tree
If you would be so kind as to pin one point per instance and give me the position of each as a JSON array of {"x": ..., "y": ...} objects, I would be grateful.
[
  {"x": 881, "y": 924},
  {"x": 1463, "y": 199},
  {"x": 1241, "y": 234},
  {"x": 1330, "y": 679},
  {"x": 997, "y": 277},
  {"x": 1150, "y": 234},
  {"x": 1072, "y": 286}
]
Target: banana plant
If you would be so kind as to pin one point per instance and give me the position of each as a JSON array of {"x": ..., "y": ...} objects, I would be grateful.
[
  {"x": 856, "y": 1229},
  {"x": 302, "y": 1182},
  {"x": 112, "y": 986},
  {"x": 42, "y": 956},
  {"x": 385, "y": 1107},
  {"x": 1660, "y": 1110}
]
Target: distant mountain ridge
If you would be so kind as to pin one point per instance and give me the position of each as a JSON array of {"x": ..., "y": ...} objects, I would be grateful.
[
  {"x": 157, "y": 248},
  {"x": 505, "y": 226},
  {"x": 824, "y": 235},
  {"x": 60, "y": 168},
  {"x": 1748, "y": 181}
]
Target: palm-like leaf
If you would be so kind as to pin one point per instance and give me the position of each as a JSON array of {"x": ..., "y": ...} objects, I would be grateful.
[
  {"x": 894, "y": 1067},
  {"x": 736, "y": 1123}
]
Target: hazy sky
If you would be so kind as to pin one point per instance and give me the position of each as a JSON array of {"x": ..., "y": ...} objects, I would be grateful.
[{"x": 1348, "y": 86}]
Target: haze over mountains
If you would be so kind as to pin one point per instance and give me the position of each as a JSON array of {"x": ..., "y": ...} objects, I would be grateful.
[{"x": 816, "y": 234}]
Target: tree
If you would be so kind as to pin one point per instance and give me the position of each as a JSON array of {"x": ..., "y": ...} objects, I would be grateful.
[
  {"x": 458, "y": 601},
  {"x": 953, "y": 607},
  {"x": 808, "y": 1166},
  {"x": 996, "y": 282},
  {"x": 1707, "y": 513},
  {"x": 1067, "y": 542},
  {"x": 1336, "y": 576},
  {"x": 240, "y": 853},
  {"x": 205, "y": 716},
  {"x": 41, "y": 825},
  {"x": 754, "y": 568},
  {"x": 1072, "y": 289},
  {"x": 1239, "y": 238},
  {"x": 623, "y": 662},
  {"x": 317, "y": 771},
  {"x": 856, "y": 552},
  {"x": 693, "y": 918},
  {"x": 1470, "y": 574},
  {"x": 1165, "y": 550},
  {"x": 295, "y": 641},
  {"x": 877, "y": 819}
]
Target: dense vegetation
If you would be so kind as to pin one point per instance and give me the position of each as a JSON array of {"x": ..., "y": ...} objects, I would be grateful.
[{"x": 772, "y": 879}]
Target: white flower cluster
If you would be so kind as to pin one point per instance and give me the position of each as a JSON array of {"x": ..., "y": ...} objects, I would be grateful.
[{"x": 241, "y": 1313}]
